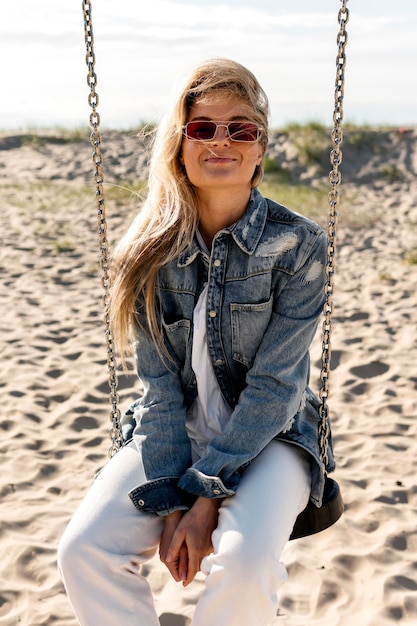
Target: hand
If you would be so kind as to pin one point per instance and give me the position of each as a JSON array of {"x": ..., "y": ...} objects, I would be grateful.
[{"x": 191, "y": 541}]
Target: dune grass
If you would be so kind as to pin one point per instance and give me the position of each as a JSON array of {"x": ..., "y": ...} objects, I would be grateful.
[{"x": 303, "y": 199}]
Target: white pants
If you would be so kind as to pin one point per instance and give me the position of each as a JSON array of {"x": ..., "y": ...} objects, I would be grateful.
[{"x": 108, "y": 540}]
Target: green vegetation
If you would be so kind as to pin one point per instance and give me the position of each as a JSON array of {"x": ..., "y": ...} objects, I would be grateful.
[
  {"x": 363, "y": 139},
  {"x": 392, "y": 173},
  {"x": 312, "y": 125},
  {"x": 64, "y": 245},
  {"x": 123, "y": 192},
  {"x": 303, "y": 199},
  {"x": 282, "y": 183},
  {"x": 411, "y": 257},
  {"x": 38, "y": 139},
  {"x": 387, "y": 277},
  {"x": 276, "y": 172},
  {"x": 311, "y": 140}
]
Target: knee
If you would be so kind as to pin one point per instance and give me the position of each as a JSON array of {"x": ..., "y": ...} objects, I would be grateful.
[{"x": 72, "y": 552}]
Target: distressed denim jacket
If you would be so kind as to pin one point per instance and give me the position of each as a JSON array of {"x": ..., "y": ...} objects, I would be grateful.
[{"x": 265, "y": 277}]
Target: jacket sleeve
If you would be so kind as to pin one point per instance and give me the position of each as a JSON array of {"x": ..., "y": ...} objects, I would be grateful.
[
  {"x": 276, "y": 382},
  {"x": 160, "y": 433}
]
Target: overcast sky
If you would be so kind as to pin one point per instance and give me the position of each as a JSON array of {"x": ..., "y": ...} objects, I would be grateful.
[{"x": 144, "y": 48}]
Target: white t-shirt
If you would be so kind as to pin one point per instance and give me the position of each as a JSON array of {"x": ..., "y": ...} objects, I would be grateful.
[{"x": 210, "y": 413}]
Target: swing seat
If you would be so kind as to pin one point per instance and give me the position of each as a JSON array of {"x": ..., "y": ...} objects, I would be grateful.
[{"x": 315, "y": 519}]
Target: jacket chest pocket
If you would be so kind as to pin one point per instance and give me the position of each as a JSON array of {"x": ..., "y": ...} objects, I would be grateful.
[
  {"x": 178, "y": 334},
  {"x": 249, "y": 323}
]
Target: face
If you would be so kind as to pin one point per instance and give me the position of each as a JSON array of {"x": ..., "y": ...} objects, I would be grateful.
[{"x": 220, "y": 163}]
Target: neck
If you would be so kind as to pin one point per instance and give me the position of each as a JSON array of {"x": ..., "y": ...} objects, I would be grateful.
[{"x": 217, "y": 211}]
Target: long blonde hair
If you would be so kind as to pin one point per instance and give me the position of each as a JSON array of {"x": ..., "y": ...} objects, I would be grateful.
[{"x": 166, "y": 223}]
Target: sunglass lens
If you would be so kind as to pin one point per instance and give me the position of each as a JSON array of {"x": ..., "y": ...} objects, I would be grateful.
[
  {"x": 239, "y": 131},
  {"x": 203, "y": 131}
]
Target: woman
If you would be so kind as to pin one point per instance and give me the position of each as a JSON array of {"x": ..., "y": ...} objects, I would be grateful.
[{"x": 221, "y": 290}]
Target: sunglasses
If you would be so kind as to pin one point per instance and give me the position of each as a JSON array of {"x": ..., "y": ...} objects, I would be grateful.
[{"x": 205, "y": 130}]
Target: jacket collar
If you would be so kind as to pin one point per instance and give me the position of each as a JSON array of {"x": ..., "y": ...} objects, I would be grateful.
[{"x": 246, "y": 232}]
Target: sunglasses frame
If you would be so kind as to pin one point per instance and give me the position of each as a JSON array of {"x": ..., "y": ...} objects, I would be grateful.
[{"x": 224, "y": 125}]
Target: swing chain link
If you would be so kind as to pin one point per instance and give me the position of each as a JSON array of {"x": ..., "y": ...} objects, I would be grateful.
[
  {"x": 333, "y": 198},
  {"x": 95, "y": 138}
]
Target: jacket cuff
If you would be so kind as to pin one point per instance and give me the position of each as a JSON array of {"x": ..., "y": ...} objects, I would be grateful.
[
  {"x": 161, "y": 496},
  {"x": 199, "y": 484}
]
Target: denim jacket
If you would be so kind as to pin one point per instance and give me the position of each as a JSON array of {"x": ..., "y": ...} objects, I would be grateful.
[{"x": 265, "y": 277}]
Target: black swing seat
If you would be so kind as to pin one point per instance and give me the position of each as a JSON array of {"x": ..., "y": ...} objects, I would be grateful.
[{"x": 313, "y": 519}]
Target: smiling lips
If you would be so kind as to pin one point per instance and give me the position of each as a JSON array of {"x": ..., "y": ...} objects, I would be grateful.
[{"x": 219, "y": 158}]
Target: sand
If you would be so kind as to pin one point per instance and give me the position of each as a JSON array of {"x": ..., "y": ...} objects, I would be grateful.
[{"x": 54, "y": 418}]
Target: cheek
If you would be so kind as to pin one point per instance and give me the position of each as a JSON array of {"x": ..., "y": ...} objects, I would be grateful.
[
  {"x": 190, "y": 163},
  {"x": 260, "y": 154},
  {"x": 187, "y": 154},
  {"x": 181, "y": 155},
  {"x": 254, "y": 154}
]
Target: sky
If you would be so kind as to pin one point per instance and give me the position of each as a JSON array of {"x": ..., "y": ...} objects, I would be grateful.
[{"x": 144, "y": 49}]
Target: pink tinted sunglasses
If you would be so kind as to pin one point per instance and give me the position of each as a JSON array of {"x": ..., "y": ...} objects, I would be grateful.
[{"x": 205, "y": 130}]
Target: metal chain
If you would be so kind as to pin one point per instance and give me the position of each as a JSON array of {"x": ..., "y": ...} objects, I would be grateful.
[
  {"x": 115, "y": 429},
  {"x": 335, "y": 179}
]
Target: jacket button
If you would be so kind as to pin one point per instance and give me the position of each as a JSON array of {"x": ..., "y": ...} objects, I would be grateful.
[
  {"x": 216, "y": 492},
  {"x": 141, "y": 502},
  {"x": 217, "y": 262},
  {"x": 212, "y": 313},
  {"x": 219, "y": 362}
]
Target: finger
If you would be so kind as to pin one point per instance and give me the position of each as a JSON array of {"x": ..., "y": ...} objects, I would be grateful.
[
  {"x": 175, "y": 555},
  {"x": 183, "y": 563},
  {"x": 163, "y": 550},
  {"x": 173, "y": 569},
  {"x": 171, "y": 522},
  {"x": 193, "y": 568},
  {"x": 174, "y": 547}
]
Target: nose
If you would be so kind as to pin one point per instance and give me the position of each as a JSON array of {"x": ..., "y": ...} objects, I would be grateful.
[{"x": 222, "y": 134}]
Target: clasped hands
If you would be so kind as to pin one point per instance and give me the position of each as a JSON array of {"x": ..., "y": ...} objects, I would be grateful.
[{"x": 186, "y": 538}]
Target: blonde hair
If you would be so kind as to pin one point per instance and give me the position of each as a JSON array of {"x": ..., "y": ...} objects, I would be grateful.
[{"x": 166, "y": 223}]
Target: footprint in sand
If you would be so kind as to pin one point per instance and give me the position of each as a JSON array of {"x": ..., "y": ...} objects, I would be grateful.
[{"x": 370, "y": 370}]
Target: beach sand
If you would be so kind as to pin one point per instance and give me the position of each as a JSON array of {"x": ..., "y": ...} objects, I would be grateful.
[{"x": 54, "y": 393}]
